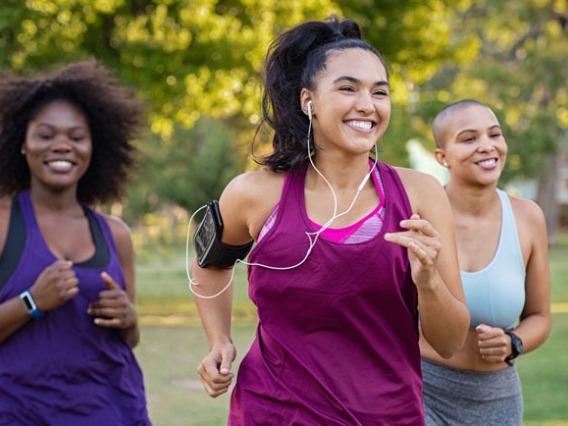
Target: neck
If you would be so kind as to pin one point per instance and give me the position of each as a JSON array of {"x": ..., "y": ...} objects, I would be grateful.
[
  {"x": 472, "y": 201},
  {"x": 53, "y": 200},
  {"x": 342, "y": 174}
]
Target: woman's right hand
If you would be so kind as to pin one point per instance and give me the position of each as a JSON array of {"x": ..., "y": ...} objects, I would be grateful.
[
  {"x": 55, "y": 285},
  {"x": 215, "y": 369}
]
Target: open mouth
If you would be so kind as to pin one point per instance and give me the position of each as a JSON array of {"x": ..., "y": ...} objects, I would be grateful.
[
  {"x": 60, "y": 165},
  {"x": 360, "y": 125},
  {"x": 487, "y": 163}
]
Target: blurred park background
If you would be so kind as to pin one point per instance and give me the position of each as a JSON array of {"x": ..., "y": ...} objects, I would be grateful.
[{"x": 197, "y": 66}]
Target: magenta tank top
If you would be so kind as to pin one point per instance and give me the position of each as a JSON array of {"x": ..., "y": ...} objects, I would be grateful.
[
  {"x": 62, "y": 369},
  {"x": 337, "y": 339}
]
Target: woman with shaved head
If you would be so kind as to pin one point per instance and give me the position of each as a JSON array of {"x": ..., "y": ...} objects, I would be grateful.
[{"x": 502, "y": 251}]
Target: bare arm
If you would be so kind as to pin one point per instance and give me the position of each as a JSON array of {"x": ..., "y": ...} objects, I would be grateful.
[
  {"x": 215, "y": 313},
  {"x": 430, "y": 240},
  {"x": 12, "y": 312},
  {"x": 244, "y": 207},
  {"x": 115, "y": 308},
  {"x": 535, "y": 322},
  {"x": 53, "y": 287}
]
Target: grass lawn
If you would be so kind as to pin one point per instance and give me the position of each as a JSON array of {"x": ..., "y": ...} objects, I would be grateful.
[{"x": 173, "y": 344}]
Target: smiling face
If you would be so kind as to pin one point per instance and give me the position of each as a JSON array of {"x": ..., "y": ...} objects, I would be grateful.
[
  {"x": 351, "y": 101},
  {"x": 472, "y": 145},
  {"x": 58, "y": 146}
]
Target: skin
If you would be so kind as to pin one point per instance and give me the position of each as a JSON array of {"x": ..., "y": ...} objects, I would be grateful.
[
  {"x": 351, "y": 111},
  {"x": 58, "y": 151},
  {"x": 473, "y": 147}
]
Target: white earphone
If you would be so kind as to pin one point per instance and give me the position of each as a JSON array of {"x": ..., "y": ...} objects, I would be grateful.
[{"x": 309, "y": 107}]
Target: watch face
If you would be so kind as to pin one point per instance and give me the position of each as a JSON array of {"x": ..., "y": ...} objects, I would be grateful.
[
  {"x": 28, "y": 303},
  {"x": 516, "y": 343}
]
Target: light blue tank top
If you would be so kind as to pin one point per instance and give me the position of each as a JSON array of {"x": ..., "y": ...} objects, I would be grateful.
[{"x": 495, "y": 295}]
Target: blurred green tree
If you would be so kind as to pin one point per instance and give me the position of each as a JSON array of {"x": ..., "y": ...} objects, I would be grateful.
[
  {"x": 520, "y": 68},
  {"x": 195, "y": 61}
]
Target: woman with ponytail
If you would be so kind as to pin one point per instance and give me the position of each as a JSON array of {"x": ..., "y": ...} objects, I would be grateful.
[{"x": 352, "y": 256}]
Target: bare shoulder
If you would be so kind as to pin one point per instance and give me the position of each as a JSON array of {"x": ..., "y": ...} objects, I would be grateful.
[
  {"x": 247, "y": 202},
  {"x": 528, "y": 214},
  {"x": 423, "y": 189},
  {"x": 255, "y": 186},
  {"x": 120, "y": 232},
  {"x": 525, "y": 208},
  {"x": 5, "y": 207}
]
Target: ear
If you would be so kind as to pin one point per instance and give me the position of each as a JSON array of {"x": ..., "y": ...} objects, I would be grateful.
[
  {"x": 305, "y": 97},
  {"x": 440, "y": 155}
]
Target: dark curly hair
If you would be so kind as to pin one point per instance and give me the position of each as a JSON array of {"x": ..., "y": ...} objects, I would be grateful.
[
  {"x": 294, "y": 61},
  {"x": 113, "y": 115}
]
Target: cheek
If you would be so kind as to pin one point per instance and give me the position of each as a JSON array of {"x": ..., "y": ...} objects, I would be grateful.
[{"x": 385, "y": 110}]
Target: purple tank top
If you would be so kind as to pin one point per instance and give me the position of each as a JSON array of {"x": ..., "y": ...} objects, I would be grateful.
[
  {"x": 62, "y": 369},
  {"x": 337, "y": 339}
]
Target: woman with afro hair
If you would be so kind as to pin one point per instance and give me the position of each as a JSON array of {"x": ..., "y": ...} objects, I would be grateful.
[{"x": 67, "y": 317}]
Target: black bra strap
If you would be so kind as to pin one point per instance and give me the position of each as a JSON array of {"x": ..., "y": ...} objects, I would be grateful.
[{"x": 15, "y": 242}]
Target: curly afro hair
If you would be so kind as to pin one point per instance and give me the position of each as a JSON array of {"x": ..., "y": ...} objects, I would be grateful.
[{"x": 113, "y": 114}]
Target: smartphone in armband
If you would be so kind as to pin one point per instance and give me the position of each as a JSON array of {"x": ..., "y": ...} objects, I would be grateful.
[{"x": 209, "y": 248}]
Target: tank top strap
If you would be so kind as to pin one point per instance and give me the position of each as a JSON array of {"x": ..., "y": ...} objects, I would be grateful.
[
  {"x": 395, "y": 193},
  {"x": 509, "y": 239}
]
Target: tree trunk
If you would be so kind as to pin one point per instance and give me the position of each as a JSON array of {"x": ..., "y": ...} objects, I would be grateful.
[{"x": 547, "y": 198}]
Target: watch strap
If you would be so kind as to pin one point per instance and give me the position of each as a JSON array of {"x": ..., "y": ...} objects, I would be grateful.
[
  {"x": 30, "y": 305},
  {"x": 516, "y": 347}
]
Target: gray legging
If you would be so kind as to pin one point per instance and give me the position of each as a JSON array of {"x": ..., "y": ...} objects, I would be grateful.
[{"x": 455, "y": 397}]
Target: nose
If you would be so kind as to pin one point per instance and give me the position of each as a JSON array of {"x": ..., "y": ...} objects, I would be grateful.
[
  {"x": 61, "y": 143},
  {"x": 486, "y": 144},
  {"x": 365, "y": 103}
]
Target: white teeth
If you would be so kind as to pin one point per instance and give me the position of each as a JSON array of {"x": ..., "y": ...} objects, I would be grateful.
[
  {"x": 366, "y": 125},
  {"x": 488, "y": 162},
  {"x": 60, "y": 163}
]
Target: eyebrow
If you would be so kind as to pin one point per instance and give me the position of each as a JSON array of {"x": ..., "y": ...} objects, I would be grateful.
[
  {"x": 52, "y": 126},
  {"x": 496, "y": 126},
  {"x": 358, "y": 81}
]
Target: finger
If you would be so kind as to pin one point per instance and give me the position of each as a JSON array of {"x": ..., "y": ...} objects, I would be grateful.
[
  {"x": 219, "y": 373},
  {"x": 493, "y": 353},
  {"x": 418, "y": 225},
  {"x": 213, "y": 391},
  {"x": 62, "y": 265},
  {"x": 488, "y": 333},
  {"x": 71, "y": 292},
  {"x": 107, "y": 308},
  {"x": 108, "y": 322},
  {"x": 70, "y": 281},
  {"x": 419, "y": 253},
  {"x": 111, "y": 284},
  {"x": 400, "y": 238},
  {"x": 214, "y": 383},
  {"x": 482, "y": 328},
  {"x": 226, "y": 363}
]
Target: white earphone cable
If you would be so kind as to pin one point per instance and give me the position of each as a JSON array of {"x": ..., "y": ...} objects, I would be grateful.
[{"x": 312, "y": 236}]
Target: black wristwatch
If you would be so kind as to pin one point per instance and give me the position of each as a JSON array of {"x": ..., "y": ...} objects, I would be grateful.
[{"x": 516, "y": 347}]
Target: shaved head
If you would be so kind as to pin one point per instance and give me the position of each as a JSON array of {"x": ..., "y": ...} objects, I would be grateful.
[{"x": 444, "y": 118}]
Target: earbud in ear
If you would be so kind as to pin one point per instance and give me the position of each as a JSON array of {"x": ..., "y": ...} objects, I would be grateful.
[{"x": 309, "y": 107}]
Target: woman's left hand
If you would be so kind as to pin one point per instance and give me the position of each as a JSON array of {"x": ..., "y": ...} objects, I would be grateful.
[
  {"x": 494, "y": 344},
  {"x": 423, "y": 244},
  {"x": 113, "y": 308}
]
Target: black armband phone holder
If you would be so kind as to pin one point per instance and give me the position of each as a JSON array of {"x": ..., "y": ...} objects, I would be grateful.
[{"x": 209, "y": 249}]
